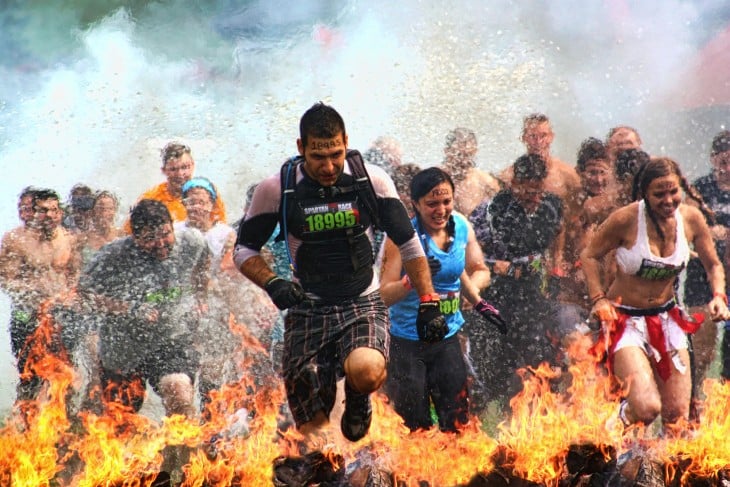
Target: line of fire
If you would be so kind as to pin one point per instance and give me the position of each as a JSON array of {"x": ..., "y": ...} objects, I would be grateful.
[{"x": 566, "y": 435}]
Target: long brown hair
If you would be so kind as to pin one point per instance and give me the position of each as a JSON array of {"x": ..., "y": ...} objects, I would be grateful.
[{"x": 660, "y": 167}]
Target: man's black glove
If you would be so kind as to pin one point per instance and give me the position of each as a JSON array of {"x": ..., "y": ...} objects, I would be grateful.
[
  {"x": 491, "y": 314},
  {"x": 283, "y": 293},
  {"x": 434, "y": 264},
  {"x": 430, "y": 323}
]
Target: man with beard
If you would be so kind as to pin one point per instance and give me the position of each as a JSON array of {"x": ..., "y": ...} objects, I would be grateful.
[
  {"x": 148, "y": 291},
  {"x": 519, "y": 232},
  {"x": 38, "y": 262},
  {"x": 327, "y": 203}
]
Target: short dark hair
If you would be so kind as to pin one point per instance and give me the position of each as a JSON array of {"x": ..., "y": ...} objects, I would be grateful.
[
  {"x": 721, "y": 143},
  {"x": 320, "y": 121},
  {"x": 148, "y": 213},
  {"x": 103, "y": 193},
  {"x": 426, "y": 180},
  {"x": 590, "y": 149},
  {"x": 460, "y": 134},
  {"x": 173, "y": 150},
  {"x": 27, "y": 191},
  {"x": 529, "y": 167},
  {"x": 629, "y": 162},
  {"x": 45, "y": 194},
  {"x": 615, "y": 129}
]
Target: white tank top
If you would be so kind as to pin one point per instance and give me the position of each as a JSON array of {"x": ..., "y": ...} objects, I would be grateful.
[{"x": 639, "y": 261}]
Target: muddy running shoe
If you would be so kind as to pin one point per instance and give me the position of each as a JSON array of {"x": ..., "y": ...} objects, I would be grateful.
[{"x": 358, "y": 414}]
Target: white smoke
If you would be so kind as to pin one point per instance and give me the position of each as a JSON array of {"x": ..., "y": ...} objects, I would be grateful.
[{"x": 94, "y": 102}]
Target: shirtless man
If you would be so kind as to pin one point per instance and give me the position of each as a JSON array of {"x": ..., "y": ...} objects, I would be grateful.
[
  {"x": 37, "y": 262},
  {"x": 472, "y": 185},
  {"x": 620, "y": 138},
  {"x": 562, "y": 179}
]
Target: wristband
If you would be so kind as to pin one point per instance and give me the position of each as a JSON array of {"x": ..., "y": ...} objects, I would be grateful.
[
  {"x": 597, "y": 298},
  {"x": 406, "y": 282},
  {"x": 428, "y": 298},
  {"x": 722, "y": 296},
  {"x": 557, "y": 272}
]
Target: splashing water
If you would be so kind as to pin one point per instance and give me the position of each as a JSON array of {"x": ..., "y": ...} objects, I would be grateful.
[{"x": 90, "y": 94}]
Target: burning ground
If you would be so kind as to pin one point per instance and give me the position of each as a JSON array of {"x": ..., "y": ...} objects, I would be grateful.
[{"x": 555, "y": 436}]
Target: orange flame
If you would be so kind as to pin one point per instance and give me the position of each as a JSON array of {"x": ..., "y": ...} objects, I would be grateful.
[{"x": 42, "y": 446}]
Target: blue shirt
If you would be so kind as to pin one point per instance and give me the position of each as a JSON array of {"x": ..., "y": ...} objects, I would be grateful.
[{"x": 446, "y": 282}]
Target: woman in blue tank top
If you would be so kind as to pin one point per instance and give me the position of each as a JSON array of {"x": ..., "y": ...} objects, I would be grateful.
[{"x": 421, "y": 373}]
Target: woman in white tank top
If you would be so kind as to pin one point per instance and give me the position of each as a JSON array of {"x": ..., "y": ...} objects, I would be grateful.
[{"x": 644, "y": 330}]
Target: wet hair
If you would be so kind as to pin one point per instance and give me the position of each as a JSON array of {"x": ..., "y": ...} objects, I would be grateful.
[
  {"x": 720, "y": 143},
  {"x": 534, "y": 119},
  {"x": 148, "y": 213},
  {"x": 460, "y": 135},
  {"x": 403, "y": 175},
  {"x": 615, "y": 129},
  {"x": 44, "y": 194},
  {"x": 658, "y": 168},
  {"x": 629, "y": 162},
  {"x": 321, "y": 121},
  {"x": 173, "y": 150},
  {"x": 27, "y": 191},
  {"x": 106, "y": 194},
  {"x": 424, "y": 181},
  {"x": 529, "y": 167},
  {"x": 590, "y": 149}
]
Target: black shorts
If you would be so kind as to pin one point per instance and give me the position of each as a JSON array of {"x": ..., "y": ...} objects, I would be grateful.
[
  {"x": 318, "y": 339},
  {"x": 163, "y": 356}
]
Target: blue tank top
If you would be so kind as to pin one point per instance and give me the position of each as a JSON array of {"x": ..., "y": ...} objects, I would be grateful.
[{"x": 446, "y": 282}]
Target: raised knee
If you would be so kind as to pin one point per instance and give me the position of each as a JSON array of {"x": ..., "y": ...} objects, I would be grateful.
[
  {"x": 645, "y": 411},
  {"x": 365, "y": 370}
]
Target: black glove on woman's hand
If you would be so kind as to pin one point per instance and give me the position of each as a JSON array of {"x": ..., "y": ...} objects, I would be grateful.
[
  {"x": 491, "y": 314},
  {"x": 283, "y": 293},
  {"x": 430, "y": 323}
]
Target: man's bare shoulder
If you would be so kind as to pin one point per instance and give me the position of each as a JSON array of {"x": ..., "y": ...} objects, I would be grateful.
[
  {"x": 17, "y": 237},
  {"x": 565, "y": 170},
  {"x": 484, "y": 179}
]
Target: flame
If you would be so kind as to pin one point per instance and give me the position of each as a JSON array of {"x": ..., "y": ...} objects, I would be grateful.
[{"x": 40, "y": 445}]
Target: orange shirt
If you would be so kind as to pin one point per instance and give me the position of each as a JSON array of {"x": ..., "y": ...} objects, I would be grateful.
[{"x": 175, "y": 205}]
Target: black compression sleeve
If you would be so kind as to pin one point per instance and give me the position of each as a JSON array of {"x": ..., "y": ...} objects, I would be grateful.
[{"x": 395, "y": 221}]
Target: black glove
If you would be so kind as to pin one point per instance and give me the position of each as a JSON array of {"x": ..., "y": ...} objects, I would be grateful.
[
  {"x": 491, "y": 314},
  {"x": 434, "y": 264},
  {"x": 430, "y": 323},
  {"x": 283, "y": 293}
]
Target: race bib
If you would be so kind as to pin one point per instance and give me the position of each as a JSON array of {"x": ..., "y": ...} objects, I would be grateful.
[
  {"x": 330, "y": 216},
  {"x": 450, "y": 303},
  {"x": 656, "y": 271}
]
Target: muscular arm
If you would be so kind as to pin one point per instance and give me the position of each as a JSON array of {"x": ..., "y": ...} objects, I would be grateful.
[
  {"x": 392, "y": 288},
  {"x": 257, "y": 270},
  {"x": 607, "y": 237},
  {"x": 475, "y": 268},
  {"x": 419, "y": 275},
  {"x": 10, "y": 262}
]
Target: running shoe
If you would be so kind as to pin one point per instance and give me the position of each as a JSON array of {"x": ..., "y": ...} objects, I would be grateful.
[{"x": 358, "y": 414}]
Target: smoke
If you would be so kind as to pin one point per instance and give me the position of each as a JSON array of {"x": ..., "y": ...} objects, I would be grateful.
[{"x": 91, "y": 95}]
